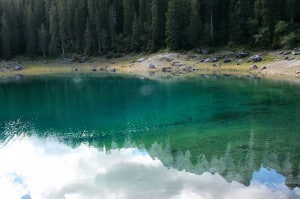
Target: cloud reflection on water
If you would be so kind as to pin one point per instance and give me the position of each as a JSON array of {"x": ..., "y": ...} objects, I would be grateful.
[{"x": 45, "y": 168}]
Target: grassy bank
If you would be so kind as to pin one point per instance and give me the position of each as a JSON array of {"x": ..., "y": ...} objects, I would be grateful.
[{"x": 165, "y": 66}]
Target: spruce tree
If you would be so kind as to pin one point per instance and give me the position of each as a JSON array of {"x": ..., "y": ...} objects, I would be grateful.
[
  {"x": 129, "y": 10},
  {"x": 80, "y": 25},
  {"x": 54, "y": 30},
  {"x": 135, "y": 38},
  {"x": 43, "y": 35},
  {"x": 195, "y": 25},
  {"x": 62, "y": 25},
  {"x": 155, "y": 26},
  {"x": 240, "y": 14},
  {"x": 172, "y": 26},
  {"x": 5, "y": 35},
  {"x": 31, "y": 40},
  {"x": 88, "y": 38}
]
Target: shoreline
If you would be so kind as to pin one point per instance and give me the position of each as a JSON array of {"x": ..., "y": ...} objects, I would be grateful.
[{"x": 166, "y": 66}]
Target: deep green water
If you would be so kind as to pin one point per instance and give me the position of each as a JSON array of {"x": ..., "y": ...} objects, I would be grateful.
[{"x": 227, "y": 125}]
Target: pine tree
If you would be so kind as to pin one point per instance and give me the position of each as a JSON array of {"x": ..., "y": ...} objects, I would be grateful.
[
  {"x": 240, "y": 14},
  {"x": 88, "y": 38},
  {"x": 144, "y": 24},
  {"x": 80, "y": 25},
  {"x": 62, "y": 25},
  {"x": 129, "y": 10},
  {"x": 102, "y": 27},
  {"x": 135, "y": 39},
  {"x": 112, "y": 17},
  {"x": 13, "y": 15},
  {"x": 5, "y": 34},
  {"x": 31, "y": 39},
  {"x": 172, "y": 26},
  {"x": 195, "y": 25},
  {"x": 43, "y": 35},
  {"x": 158, "y": 9},
  {"x": 155, "y": 26},
  {"x": 54, "y": 30}
]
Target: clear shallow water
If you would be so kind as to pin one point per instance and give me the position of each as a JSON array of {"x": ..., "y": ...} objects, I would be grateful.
[{"x": 66, "y": 137}]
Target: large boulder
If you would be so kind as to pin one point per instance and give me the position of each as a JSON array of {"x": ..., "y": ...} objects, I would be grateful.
[
  {"x": 4, "y": 70},
  {"x": 227, "y": 60},
  {"x": 166, "y": 69},
  {"x": 255, "y": 58},
  {"x": 83, "y": 59},
  {"x": 152, "y": 66},
  {"x": 241, "y": 54},
  {"x": 253, "y": 67},
  {"x": 214, "y": 59},
  {"x": 112, "y": 70},
  {"x": 207, "y": 60},
  {"x": 142, "y": 59},
  {"x": 17, "y": 67},
  {"x": 203, "y": 51}
]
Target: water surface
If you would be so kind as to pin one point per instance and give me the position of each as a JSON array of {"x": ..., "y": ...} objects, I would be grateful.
[{"x": 120, "y": 137}]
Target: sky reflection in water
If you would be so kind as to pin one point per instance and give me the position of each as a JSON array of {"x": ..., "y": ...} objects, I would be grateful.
[
  {"x": 92, "y": 137},
  {"x": 34, "y": 167}
]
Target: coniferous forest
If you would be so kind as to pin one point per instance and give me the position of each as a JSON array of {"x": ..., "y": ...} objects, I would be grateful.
[{"x": 98, "y": 27}]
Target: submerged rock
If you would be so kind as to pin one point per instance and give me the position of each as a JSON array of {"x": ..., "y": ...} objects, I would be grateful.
[{"x": 19, "y": 77}]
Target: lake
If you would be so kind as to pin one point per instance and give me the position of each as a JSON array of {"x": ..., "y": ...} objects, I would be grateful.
[{"x": 122, "y": 137}]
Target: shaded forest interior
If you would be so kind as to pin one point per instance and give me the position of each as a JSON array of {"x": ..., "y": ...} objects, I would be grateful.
[{"x": 98, "y": 27}]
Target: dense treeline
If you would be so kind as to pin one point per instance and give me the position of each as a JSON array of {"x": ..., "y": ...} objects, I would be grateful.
[{"x": 96, "y": 27}]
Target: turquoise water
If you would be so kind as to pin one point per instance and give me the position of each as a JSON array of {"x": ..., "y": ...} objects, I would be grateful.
[{"x": 227, "y": 126}]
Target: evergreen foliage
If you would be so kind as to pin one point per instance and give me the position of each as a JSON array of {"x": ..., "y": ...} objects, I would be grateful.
[{"x": 97, "y": 27}]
